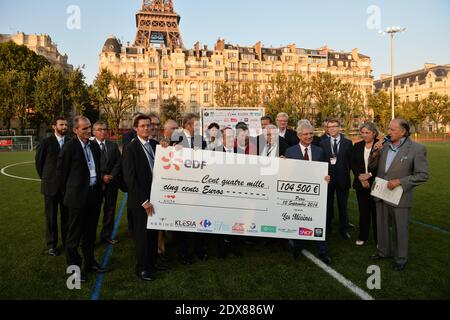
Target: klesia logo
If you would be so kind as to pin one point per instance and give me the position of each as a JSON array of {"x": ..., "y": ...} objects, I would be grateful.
[
  {"x": 305, "y": 232},
  {"x": 253, "y": 226},
  {"x": 171, "y": 161},
  {"x": 185, "y": 224},
  {"x": 205, "y": 223}
]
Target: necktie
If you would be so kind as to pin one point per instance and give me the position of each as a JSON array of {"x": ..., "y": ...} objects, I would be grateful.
[
  {"x": 269, "y": 149},
  {"x": 306, "y": 156},
  {"x": 61, "y": 142},
  {"x": 151, "y": 159},
  {"x": 335, "y": 148},
  {"x": 192, "y": 142},
  {"x": 103, "y": 156}
]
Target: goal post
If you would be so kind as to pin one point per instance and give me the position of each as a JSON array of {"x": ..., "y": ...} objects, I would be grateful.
[{"x": 16, "y": 143}]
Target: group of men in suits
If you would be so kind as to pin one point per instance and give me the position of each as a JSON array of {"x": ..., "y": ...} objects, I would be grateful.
[
  {"x": 78, "y": 175},
  {"x": 89, "y": 172}
]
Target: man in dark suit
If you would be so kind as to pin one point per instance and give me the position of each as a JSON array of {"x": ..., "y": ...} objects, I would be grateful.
[
  {"x": 289, "y": 135},
  {"x": 306, "y": 151},
  {"x": 190, "y": 138},
  {"x": 325, "y": 135},
  {"x": 111, "y": 170},
  {"x": 402, "y": 162},
  {"x": 273, "y": 146},
  {"x": 226, "y": 243},
  {"x": 138, "y": 161},
  {"x": 338, "y": 151},
  {"x": 126, "y": 140},
  {"x": 79, "y": 169},
  {"x": 46, "y": 160}
]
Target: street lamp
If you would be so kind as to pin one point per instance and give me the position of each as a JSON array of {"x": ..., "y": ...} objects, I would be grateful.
[{"x": 392, "y": 31}]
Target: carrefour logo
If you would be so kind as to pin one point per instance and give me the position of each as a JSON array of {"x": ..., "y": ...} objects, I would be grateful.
[{"x": 205, "y": 223}]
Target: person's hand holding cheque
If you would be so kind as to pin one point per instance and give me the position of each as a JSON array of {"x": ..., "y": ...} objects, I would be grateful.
[{"x": 149, "y": 209}]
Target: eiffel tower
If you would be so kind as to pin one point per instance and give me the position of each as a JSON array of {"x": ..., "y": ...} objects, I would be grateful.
[{"x": 158, "y": 23}]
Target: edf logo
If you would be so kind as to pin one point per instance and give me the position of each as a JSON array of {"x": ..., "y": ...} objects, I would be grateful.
[{"x": 194, "y": 164}]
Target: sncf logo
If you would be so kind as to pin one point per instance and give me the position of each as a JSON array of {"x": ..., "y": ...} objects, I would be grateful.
[
  {"x": 171, "y": 161},
  {"x": 305, "y": 232}
]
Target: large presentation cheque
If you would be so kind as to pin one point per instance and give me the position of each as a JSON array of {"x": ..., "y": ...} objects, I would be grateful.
[{"x": 236, "y": 194}]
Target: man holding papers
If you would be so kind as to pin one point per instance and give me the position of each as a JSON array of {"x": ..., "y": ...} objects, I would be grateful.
[{"x": 402, "y": 163}]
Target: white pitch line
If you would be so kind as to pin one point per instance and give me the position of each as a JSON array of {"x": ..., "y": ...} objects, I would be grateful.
[
  {"x": 17, "y": 177},
  {"x": 339, "y": 277}
]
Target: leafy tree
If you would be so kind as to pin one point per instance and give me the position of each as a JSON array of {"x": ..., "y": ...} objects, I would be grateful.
[
  {"x": 413, "y": 113},
  {"x": 114, "y": 96},
  {"x": 226, "y": 94},
  {"x": 437, "y": 107},
  {"x": 172, "y": 108},
  {"x": 49, "y": 94}
]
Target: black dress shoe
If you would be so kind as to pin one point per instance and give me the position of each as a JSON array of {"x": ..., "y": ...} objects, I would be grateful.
[
  {"x": 203, "y": 256},
  {"x": 97, "y": 267},
  {"x": 52, "y": 252},
  {"x": 377, "y": 256},
  {"x": 185, "y": 261},
  {"x": 345, "y": 235},
  {"x": 146, "y": 276},
  {"x": 399, "y": 266},
  {"x": 160, "y": 267},
  {"x": 325, "y": 258}
]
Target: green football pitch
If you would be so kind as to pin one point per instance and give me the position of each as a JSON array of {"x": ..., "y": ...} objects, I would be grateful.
[{"x": 265, "y": 271}]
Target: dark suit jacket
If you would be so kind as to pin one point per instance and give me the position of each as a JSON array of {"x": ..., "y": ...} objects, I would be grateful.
[
  {"x": 260, "y": 142},
  {"x": 291, "y": 137},
  {"x": 137, "y": 173},
  {"x": 182, "y": 140},
  {"x": 295, "y": 152},
  {"x": 128, "y": 137},
  {"x": 114, "y": 160},
  {"x": 46, "y": 160},
  {"x": 358, "y": 166},
  {"x": 74, "y": 172},
  {"x": 339, "y": 173}
]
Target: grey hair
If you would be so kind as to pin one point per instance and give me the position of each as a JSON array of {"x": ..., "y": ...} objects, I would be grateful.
[
  {"x": 302, "y": 126},
  {"x": 283, "y": 114},
  {"x": 303, "y": 121},
  {"x": 271, "y": 126},
  {"x": 371, "y": 127},
  {"x": 77, "y": 120}
]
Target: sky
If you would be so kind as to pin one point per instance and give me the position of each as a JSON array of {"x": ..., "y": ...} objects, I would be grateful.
[{"x": 342, "y": 25}]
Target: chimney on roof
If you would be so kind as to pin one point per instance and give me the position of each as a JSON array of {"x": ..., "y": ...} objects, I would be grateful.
[
  {"x": 429, "y": 65},
  {"x": 197, "y": 49},
  {"x": 292, "y": 48},
  {"x": 220, "y": 45},
  {"x": 355, "y": 54},
  {"x": 258, "y": 50}
]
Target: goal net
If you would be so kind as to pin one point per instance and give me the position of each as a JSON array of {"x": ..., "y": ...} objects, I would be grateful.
[{"x": 16, "y": 143}]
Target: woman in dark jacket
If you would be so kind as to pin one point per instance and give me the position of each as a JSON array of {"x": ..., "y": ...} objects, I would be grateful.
[{"x": 364, "y": 167}]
